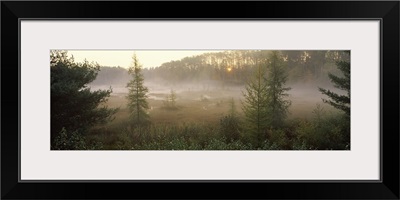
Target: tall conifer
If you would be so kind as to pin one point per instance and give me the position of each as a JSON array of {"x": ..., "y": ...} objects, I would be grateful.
[{"x": 137, "y": 95}]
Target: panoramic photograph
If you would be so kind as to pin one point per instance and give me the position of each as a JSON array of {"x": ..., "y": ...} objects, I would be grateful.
[{"x": 200, "y": 100}]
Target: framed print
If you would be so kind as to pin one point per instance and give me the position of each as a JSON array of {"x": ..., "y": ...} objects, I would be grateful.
[{"x": 281, "y": 95}]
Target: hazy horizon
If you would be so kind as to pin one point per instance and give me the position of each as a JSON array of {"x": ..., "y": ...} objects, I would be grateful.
[{"x": 123, "y": 58}]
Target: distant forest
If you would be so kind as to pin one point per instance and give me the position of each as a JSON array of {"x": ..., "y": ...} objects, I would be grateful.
[
  {"x": 228, "y": 100},
  {"x": 231, "y": 68}
]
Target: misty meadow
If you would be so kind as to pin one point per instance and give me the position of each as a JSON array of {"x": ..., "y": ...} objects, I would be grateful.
[{"x": 212, "y": 100}]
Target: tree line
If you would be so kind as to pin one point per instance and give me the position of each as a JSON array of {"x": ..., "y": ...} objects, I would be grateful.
[
  {"x": 232, "y": 68},
  {"x": 75, "y": 108}
]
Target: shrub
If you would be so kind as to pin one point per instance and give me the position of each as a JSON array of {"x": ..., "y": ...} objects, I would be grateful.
[
  {"x": 221, "y": 144},
  {"x": 230, "y": 127},
  {"x": 325, "y": 131},
  {"x": 268, "y": 145},
  {"x": 170, "y": 101},
  {"x": 278, "y": 139},
  {"x": 300, "y": 145},
  {"x": 69, "y": 141}
]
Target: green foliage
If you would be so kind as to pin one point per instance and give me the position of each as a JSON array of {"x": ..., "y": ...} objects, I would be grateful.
[
  {"x": 221, "y": 144},
  {"x": 68, "y": 141},
  {"x": 255, "y": 107},
  {"x": 268, "y": 145},
  {"x": 334, "y": 132},
  {"x": 341, "y": 102},
  {"x": 73, "y": 105},
  {"x": 279, "y": 139},
  {"x": 73, "y": 141},
  {"x": 167, "y": 137},
  {"x": 325, "y": 131},
  {"x": 174, "y": 137},
  {"x": 277, "y": 102},
  {"x": 230, "y": 125},
  {"x": 300, "y": 145},
  {"x": 265, "y": 104},
  {"x": 137, "y": 95}
]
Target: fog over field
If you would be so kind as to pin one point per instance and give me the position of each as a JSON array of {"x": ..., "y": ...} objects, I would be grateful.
[
  {"x": 208, "y": 102},
  {"x": 216, "y": 100}
]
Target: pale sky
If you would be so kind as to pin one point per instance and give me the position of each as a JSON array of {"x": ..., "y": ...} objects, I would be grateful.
[{"x": 123, "y": 58}]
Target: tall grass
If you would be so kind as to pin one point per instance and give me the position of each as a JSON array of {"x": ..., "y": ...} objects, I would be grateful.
[{"x": 326, "y": 131}]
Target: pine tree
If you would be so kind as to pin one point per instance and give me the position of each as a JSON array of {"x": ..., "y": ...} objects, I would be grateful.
[
  {"x": 137, "y": 95},
  {"x": 277, "y": 104},
  {"x": 338, "y": 101},
  {"x": 74, "y": 106},
  {"x": 254, "y": 107}
]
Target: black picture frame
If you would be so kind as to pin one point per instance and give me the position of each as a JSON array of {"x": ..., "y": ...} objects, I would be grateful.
[{"x": 386, "y": 11}]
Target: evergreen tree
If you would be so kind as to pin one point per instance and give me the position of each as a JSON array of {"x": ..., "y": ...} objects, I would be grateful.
[
  {"x": 338, "y": 101},
  {"x": 170, "y": 100},
  {"x": 277, "y": 104},
  {"x": 74, "y": 107},
  {"x": 255, "y": 107},
  {"x": 137, "y": 95}
]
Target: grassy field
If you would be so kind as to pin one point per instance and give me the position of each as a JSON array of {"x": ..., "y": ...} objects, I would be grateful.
[
  {"x": 196, "y": 122},
  {"x": 208, "y": 106},
  {"x": 191, "y": 107}
]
